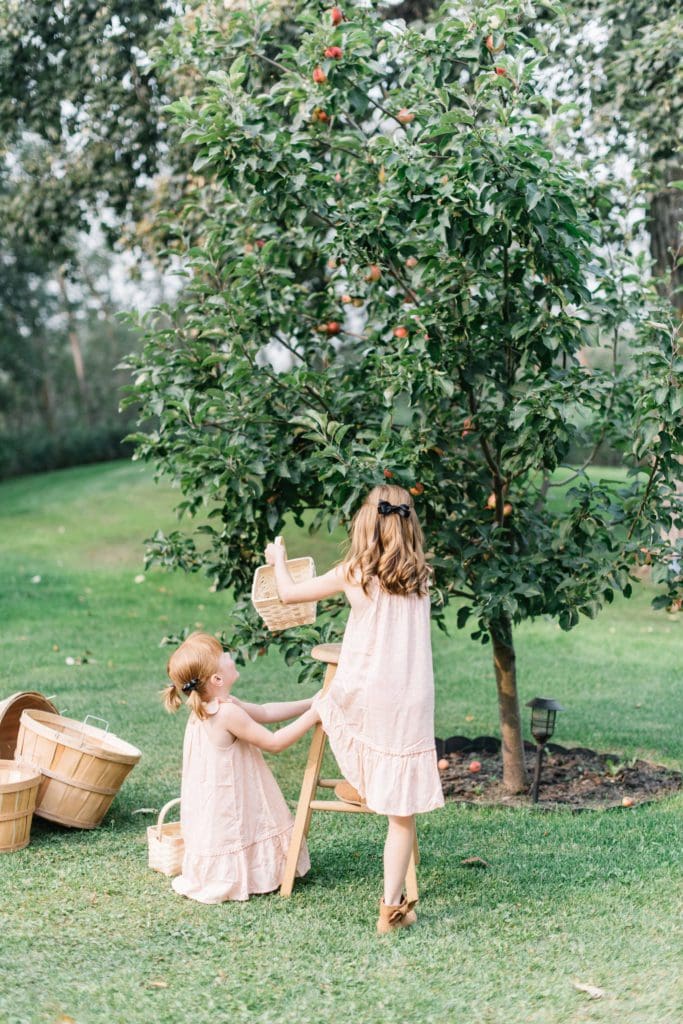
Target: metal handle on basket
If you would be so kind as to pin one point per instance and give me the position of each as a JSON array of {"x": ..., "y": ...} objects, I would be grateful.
[
  {"x": 93, "y": 718},
  {"x": 162, "y": 814}
]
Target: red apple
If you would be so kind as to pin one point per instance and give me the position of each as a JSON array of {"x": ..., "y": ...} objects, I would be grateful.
[
  {"x": 468, "y": 427},
  {"x": 489, "y": 44},
  {"x": 374, "y": 273},
  {"x": 627, "y": 801},
  {"x": 411, "y": 262},
  {"x": 500, "y": 71},
  {"x": 474, "y": 767},
  {"x": 400, "y": 332},
  {"x": 507, "y": 509},
  {"x": 337, "y": 177},
  {"x": 417, "y": 488},
  {"x": 333, "y": 327},
  {"x": 346, "y": 299},
  {"x": 442, "y": 764},
  {"x": 405, "y": 116},
  {"x": 388, "y": 474},
  {"x": 260, "y": 242},
  {"x": 319, "y": 75},
  {"x": 337, "y": 15},
  {"x": 335, "y": 52},
  {"x": 491, "y": 500},
  {"x": 319, "y": 114}
]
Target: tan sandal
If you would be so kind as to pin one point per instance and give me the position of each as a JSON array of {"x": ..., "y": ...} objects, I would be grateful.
[
  {"x": 392, "y": 918},
  {"x": 348, "y": 793}
]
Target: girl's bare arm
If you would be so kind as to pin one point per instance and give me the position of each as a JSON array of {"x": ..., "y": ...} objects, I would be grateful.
[
  {"x": 242, "y": 725},
  {"x": 277, "y": 711},
  {"x": 329, "y": 583}
]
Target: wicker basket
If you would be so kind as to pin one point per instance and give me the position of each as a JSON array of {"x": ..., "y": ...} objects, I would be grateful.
[
  {"x": 82, "y": 767},
  {"x": 265, "y": 599},
  {"x": 10, "y": 713},
  {"x": 18, "y": 790},
  {"x": 165, "y": 843}
]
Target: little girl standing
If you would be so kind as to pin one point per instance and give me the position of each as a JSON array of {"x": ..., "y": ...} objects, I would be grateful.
[
  {"x": 379, "y": 711},
  {"x": 235, "y": 823}
]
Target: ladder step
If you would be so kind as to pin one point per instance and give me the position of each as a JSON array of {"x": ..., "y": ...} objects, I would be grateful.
[
  {"x": 329, "y": 783},
  {"x": 338, "y": 805}
]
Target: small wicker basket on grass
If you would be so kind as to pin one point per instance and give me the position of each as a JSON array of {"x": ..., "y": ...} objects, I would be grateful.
[
  {"x": 165, "y": 843},
  {"x": 266, "y": 601}
]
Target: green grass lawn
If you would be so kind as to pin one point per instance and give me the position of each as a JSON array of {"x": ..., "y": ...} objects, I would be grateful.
[{"x": 90, "y": 934}]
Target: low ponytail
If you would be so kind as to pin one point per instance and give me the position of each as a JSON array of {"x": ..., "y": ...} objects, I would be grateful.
[{"x": 171, "y": 698}]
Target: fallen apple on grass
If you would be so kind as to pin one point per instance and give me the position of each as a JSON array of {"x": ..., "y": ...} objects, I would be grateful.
[{"x": 474, "y": 767}]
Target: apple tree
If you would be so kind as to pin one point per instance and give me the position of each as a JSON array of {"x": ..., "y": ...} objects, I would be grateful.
[{"x": 394, "y": 279}]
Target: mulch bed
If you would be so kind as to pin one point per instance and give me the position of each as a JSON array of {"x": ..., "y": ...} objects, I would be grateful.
[{"x": 577, "y": 778}]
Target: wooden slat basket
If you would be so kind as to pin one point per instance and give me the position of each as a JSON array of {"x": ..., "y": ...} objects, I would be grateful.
[
  {"x": 18, "y": 791},
  {"x": 165, "y": 843},
  {"x": 265, "y": 599},
  {"x": 82, "y": 767},
  {"x": 10, "y": 713}
]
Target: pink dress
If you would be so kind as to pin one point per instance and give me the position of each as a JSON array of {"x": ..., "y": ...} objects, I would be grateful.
[
  {"x": 234, "y": 819},
  {"x": 379, "y": 711}
]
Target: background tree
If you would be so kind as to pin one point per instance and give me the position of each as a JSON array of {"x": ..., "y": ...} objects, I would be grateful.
[
  {"x": 393, "y": 229},
  {"x": 624, "y": 70}
]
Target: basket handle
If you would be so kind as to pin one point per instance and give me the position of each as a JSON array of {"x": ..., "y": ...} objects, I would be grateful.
[
  {"x": 93, "y": 718},
  {"x": 163, "y": 812},
  {"x": 96, "y": 718}
]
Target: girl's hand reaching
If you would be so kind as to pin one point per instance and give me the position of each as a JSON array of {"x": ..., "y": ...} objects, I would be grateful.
[{"x": 276, "y": 552}]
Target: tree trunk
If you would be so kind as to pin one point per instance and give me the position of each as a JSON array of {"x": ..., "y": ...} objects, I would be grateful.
[
  {"x": 76, "y": 350},
  {"x": 666, "y": 214},
  {"x": 515, "y": 778}
]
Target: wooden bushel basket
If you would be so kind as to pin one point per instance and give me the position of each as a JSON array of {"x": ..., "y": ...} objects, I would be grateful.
[
  {"x": 10, "y": 713},
  {"x": 18, "y": 791},
  {"x": 265, "y": 599},
  {"x": 165, "y": 843},
  {"x": 82, "y": 767}
]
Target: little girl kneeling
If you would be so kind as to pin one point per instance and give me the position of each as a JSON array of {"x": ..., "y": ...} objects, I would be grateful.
[{"x": 235, "y": 823}]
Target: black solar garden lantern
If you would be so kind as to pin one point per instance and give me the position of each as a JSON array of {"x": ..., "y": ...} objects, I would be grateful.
[{"x": 543, "y": 712}]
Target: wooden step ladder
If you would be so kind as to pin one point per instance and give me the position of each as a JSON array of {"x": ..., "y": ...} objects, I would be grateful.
[{"x": 329, "y": 655}]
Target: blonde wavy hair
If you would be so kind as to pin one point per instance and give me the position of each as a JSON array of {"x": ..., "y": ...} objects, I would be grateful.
[
  {"x": 195, "y": 661},
  {"x": 387, "y": 547}
]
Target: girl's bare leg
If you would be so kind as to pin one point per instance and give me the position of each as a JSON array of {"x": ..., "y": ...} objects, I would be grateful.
[{"x": 397, "y": 851}]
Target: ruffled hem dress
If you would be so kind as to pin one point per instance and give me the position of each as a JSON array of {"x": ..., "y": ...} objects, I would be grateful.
[
  {"x": 379, "y": 710},
  {"x": 234, "y": 819}
]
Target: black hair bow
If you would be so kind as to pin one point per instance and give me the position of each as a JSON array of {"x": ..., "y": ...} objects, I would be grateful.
[
  {"x": 191, "y": 685},
  {"x": 385, "y": 508}
]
